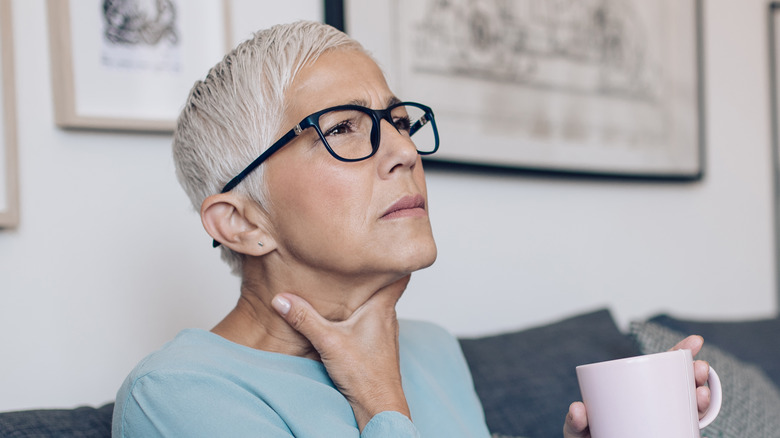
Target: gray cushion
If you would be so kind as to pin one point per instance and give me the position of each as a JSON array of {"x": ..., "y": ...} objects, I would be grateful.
[
  {"x": 83, "y": 422},
  {"x": 526, "y": 380},
  {"x": 756, "y": 341},
  {"x": 751, "y": 402}
]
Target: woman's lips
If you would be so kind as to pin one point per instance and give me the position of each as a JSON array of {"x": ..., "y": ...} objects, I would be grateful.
[{"x": 408, "y": 206}]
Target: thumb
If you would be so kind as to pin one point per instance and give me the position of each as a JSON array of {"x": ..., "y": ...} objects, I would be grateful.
[
  {"x": 576, "y": 425},
  {"x": 300, "y": 315},
  {"x": 693, "y": 343}
]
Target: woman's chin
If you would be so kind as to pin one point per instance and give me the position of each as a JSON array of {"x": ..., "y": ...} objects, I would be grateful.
[{"x": 420, "y": 257}]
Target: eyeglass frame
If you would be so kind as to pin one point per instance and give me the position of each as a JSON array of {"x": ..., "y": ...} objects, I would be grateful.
[{"x": 312, "y": 120}]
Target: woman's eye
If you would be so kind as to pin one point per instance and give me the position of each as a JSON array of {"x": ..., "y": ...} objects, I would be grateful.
[
  {"x": 403, "y": 124},
  {"x": 341, "y": 128}
]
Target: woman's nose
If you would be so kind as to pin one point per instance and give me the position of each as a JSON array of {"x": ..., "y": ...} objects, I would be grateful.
[{"x": 396, "y": 149}]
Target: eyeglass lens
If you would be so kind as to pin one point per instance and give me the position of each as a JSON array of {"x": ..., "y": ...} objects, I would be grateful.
[{"x": 348, "y": 131}]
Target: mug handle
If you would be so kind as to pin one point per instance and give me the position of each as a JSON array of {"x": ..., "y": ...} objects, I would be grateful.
[{"x": 715, "y": 400}]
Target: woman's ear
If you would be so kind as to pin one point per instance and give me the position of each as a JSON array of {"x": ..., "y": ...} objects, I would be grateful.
[{"x": 238, "y": 223}]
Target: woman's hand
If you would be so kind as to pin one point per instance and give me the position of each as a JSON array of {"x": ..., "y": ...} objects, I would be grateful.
[
  {"x": 359, "y": 353},
  {"x": 576, "y": 425}
]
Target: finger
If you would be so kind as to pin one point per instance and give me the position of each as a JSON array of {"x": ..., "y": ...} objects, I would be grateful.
[
  {"x": 701, "y": 370},
  {"x": 702, "y": 399},
  {"x": 576, "y": 425},
  {"x": 693, "y": 343},
  {"x": 301, "y": 316}
]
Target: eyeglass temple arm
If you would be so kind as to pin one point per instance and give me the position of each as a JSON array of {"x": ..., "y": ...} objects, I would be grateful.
[
  {"x": 258, "y": 161},
  {"x": 422, "y": 121}
]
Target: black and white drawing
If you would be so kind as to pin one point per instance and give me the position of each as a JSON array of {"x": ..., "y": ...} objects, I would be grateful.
[
  {"x": 141, "y": 34},
  {"x": 128, "y": 64},
  {"x": 594, "y": 86},
  {"x": 601, "y": 45}
]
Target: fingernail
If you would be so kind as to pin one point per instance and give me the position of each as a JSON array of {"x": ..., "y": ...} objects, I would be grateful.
[{"x": 281, "y": 304}]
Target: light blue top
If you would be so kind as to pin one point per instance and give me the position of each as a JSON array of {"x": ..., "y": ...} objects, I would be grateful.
[{"x": 202, "y": 385}]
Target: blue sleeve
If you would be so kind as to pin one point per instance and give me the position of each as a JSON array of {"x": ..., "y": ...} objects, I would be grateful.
[
  {"x": 184, "y": 403},
  {"x": 390, "y": 424}
]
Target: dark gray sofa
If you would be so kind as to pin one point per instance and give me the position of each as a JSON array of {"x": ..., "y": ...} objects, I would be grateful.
[{"x": 526, "y": 379}]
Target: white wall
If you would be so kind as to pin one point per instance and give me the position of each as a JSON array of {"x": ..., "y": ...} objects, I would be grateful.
[{"x": 109, "y": 261}]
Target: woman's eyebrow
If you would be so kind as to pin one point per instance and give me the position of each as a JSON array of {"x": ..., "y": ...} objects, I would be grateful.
[
  {"x": 392, "y": 100},
  {"x": 358, "y": 102}
]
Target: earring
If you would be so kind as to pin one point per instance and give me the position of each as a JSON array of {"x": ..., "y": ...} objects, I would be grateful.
[{"x": 260, "y": 243}]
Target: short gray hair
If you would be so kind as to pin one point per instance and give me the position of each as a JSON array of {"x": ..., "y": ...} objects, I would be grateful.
[{"x": 232, "y": 115}]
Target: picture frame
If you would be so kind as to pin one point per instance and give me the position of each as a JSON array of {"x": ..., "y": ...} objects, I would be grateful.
[
  {"x": 588, "y": 88},
  {"x": 9, "y": 189},
  {"x": 773, "y": 27},
  {"x": 118, "y": 67}
]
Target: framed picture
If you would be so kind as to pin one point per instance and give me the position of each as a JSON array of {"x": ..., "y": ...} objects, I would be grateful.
[
  {"x": 774, "y": 82},
  {"x": 129, "y": 64},
  {"x": 9, "y": 191},
  {"x": 577, "y": 86}
]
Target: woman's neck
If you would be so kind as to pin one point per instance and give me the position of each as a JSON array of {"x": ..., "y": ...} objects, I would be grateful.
[{"x": 254, "y": 323}]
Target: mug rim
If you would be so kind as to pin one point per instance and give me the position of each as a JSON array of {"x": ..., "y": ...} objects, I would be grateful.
[{"x": 635, "y": 359}]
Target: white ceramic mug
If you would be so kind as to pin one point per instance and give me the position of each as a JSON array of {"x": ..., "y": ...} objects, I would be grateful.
[{"x": 649, "y": 396}]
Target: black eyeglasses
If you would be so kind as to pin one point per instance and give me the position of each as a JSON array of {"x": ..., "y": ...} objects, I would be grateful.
[{"x": 351, "y": 133}]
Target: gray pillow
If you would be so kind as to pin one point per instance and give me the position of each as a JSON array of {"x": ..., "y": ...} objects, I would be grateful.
[
  {"x": 762, "y": 350},
  {"x": 751, "y": 402},
  {"x": 526, "y": 379}
]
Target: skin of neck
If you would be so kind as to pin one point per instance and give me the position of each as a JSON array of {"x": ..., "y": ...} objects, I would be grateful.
[{"x": 254, "y": 323}]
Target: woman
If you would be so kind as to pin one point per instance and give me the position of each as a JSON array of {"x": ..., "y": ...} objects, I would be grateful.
[{"x": 324, "y": 227}]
